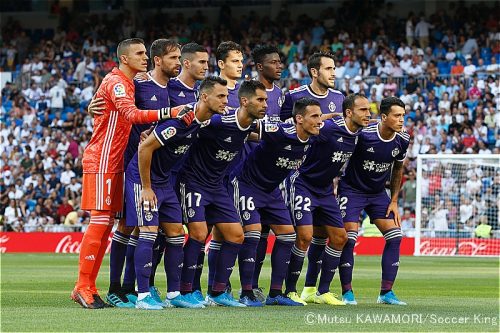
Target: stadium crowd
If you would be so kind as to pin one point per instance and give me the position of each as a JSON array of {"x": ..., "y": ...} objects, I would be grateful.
[{"x": 444, "y": 67}]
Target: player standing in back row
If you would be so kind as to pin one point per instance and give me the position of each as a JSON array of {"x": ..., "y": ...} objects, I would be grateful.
[
  {"x": 103, "y": 163},
  {"x": 321, "y": 68},
  {"x": 381, "y": 146}
]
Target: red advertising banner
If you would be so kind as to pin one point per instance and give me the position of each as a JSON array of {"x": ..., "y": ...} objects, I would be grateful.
[
  {"x": 462, "y": 246},
  {"x": 70, "y": 242}
]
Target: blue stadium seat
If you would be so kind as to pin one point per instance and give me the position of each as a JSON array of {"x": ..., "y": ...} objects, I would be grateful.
[{"x": 68, "y": 109}]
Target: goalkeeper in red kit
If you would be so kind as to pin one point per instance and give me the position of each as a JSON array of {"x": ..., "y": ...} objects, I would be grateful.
[{"x": 103, "y": 162}]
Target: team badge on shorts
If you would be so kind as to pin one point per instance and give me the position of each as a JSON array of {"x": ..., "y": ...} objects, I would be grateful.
[
  {"x": 395, "y": 152},
  {"x": 246, "y": 216},
  {"x": 168, "y": 132},
  {"x": 148, "y": 216},
  {"x": 108, "y": 200},
  {"x": 191, "y": 212},
  {"x": 298, "y": 215}
]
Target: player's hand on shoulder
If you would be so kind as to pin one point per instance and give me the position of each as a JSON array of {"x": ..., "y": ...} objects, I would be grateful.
[
  {"x": 96, "y": 106},
  {"x": 141, "y": 76}
]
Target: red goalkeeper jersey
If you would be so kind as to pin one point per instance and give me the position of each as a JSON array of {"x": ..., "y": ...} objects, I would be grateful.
[{"x": 104, "y": 153}]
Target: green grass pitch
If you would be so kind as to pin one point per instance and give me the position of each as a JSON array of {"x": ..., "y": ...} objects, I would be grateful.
[{"x": 444, "y": 294}]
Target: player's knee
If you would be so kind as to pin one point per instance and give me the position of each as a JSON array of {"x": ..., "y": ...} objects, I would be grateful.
[
  {"x": 303, "y": 240},
  {"x": 173, "y": 229},
  {"x": 339, "y": 241},
  {"x": 123, "y": 228},
  {"x": 198, "y": 234},
  {"x": 237, "y": 236},
  {"x": 148, "y": 229}
]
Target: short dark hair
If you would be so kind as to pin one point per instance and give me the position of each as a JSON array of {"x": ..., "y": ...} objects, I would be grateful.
[
  {"x": 191, "y": 48},
  {"x": 209, "y": 82},
  {"x": 314, "y": 60},
  {"x": 224, "y": 48},
  {"x": 299, "y": 107},
  {"x": 260, "y": 51},
  {"x": 162, "y": 46},
  {"x": 388, "y": 102},
  {"x": 125, "y": 44},
  {"x": 349, "y": 101},
  {"x": 249, "y": 88}
]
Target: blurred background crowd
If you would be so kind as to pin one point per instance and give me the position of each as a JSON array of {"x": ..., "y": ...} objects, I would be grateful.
[{"x": 444, "y": 66}]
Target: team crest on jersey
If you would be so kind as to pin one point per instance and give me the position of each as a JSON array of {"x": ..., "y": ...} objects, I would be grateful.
[
  {"x": 148, "y": 216},
  {"x": 306, "y": 147},
  {"x": 332, "y": 107},
  {"x": 298, "y": 215},
  {"x": 205, "y": 123},
  {"x": 271, "y": 128},
  {"x": 281, "y": 99},
  {"x": 108, "y": 201},
  {"x": 246, "y": 216},
  {"x": 168, "y": 132},
  {"x": 395, "y": 152},
  {"x": 119, "y": 90},
  {"x": 191, "y": 212}
]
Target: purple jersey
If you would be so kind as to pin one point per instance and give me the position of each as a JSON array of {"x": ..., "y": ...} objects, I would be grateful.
[
  {"x": 219, "y": 142},
  {"x": 180, "y": 93},
  {"x": 279, "y": 152},
  {"x": 275, "y": 98},
  {"x": 176, "y": 138},
  {"x": 332, "y": 148},
  {"x": 233, "y": 101},
  {"x": 149, "y": 95},
  {"x": 371, "y": 162},
  {"x": 330, "y": 102}
]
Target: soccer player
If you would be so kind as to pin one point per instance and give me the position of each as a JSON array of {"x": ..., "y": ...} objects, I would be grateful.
[
  {"x": 268, "y": 64},
  {"x": 151, "y": 199},
  {"x": 150, "y": 92},
  {"x": 311, "y": 200},
  {"x": 229, "y": 57},
  {"x": 204, "y": 198},
  {"x": 184, "y": 90},
  {"x": 378, "y": 157},
  {"x": 103, "y": 163},
  {"x": 321, "y": 68},
  {"x": 256, "y": 192}
]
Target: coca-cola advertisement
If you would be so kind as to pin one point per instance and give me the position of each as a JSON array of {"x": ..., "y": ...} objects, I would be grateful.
[
  {"x": 462, "y": 246},
  {"x": 70, "y": 242}
]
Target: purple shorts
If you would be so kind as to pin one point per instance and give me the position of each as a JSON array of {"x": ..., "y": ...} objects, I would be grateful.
[
  {"x": 352, "y": 202},
  {"x": 199, "y": 204},
  {"x": 256, "y": 206},
  {"x": 168, "y": 209},
  {"x": 307, "y": 207}
]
